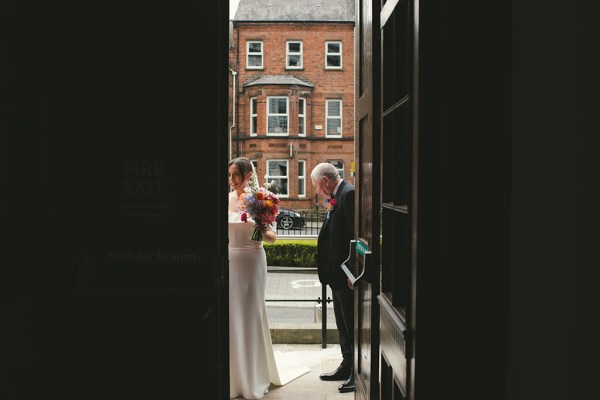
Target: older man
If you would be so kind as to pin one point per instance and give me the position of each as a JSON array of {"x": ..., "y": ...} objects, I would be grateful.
[{"x": 332, "y": 250}]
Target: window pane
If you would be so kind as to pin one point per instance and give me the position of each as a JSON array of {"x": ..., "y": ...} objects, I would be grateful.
[
  {"x": 333, "y": 54},
  {"x": 301, "y": 186},
  {"x": 277, "y": 172},
  {"x": 254, "y": 56},
  {"x": 334, "y": 127},
  {"x": 334, "y": 118},
  {"x": 333, "y": 61},
  {"x": 294, "y": 55},
  {"x": 279, "y": 186},
  {"x": 277, "y": 115},
  {"x": 278, "y": 106},
  {"x": 277, "y": 168},
  {"x": 301, "y": 178},
  {"x": 278, "y": 124},
  {"x": 254, "y": 61},
  {"x": 294, "y": 61},
  {"x": 253, "y": 116},
  {"x": 301, "y": 117},
  {"x": 254, "y": 47},
  {"x": 333, "y": 47},
  {"x": 333, "y": 108}
]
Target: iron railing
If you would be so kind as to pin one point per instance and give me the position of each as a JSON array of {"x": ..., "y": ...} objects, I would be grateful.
[
  {"x": 323, "y": 300},
  {"x": 307, "y": 223}
]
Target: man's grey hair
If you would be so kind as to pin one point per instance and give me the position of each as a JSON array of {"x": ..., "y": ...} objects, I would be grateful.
[{"x": 325, "y": 169}]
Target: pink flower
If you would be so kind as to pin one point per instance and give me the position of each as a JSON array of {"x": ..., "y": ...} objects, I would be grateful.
[{"x": 331, "y": 205}]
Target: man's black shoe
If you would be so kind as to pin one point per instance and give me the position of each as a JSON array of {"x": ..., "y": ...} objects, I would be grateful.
[
  {"x": 347, "y": 386},
  {"x": 340, "y": 374}
]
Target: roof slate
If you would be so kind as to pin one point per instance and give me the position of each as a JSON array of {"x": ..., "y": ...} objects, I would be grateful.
[{"x": 295, "y": 11}]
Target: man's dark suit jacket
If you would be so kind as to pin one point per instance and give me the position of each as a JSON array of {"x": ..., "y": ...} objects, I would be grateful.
[{"x": 333, "y": 244}]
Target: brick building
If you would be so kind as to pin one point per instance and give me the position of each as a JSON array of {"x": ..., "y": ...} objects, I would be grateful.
[{"x": 292, "y": 97}]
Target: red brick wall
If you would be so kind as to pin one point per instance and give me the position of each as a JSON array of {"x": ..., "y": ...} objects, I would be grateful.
[{"x": 328, "y": 84}]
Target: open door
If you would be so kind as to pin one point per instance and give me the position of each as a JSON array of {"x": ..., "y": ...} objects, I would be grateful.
[
  {"x": 399, "y": 171},
  {"x": 115, "y": 270},
  {"x": 368, "y": 179},
  {"x": 386, "y": 147}
]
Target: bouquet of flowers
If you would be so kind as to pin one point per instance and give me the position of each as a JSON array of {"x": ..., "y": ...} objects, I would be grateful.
[{"x": 260, "y": 204}]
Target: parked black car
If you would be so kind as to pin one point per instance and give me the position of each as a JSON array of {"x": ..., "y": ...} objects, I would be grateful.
[{"x": 290, "y": 219}]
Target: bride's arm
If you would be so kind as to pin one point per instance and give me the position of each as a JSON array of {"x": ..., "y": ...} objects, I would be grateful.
[{"x": 268, "y": 233}]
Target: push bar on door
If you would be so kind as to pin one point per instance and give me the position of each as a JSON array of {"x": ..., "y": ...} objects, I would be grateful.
[{"x": 347, "y": 271}]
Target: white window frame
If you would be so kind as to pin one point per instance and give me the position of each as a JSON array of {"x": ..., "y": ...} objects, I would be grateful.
[
  {"x": 289, "y": 53},
  {"x": 329, "y": 118},
  {"x": 253, "y": 116},
  {"x": 302, "y": 116},
  {"x": 301, "y": 178},
  {"x": 260, "y": 53},
  {"x": 285, "y": 177},
  {"x": 279, "y": 115},
  {"x": 333, "y": 54}
]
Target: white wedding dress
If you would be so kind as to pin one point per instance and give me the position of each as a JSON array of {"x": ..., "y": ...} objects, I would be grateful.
[{"x": 252, "y": 365}]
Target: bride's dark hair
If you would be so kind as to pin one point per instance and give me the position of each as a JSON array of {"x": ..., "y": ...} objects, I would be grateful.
[{"x": 243, "y": 164}]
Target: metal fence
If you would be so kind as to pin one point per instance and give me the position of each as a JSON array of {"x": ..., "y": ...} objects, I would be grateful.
[
  {"x": 299, "y": 288},
  {"x": 307, "y": 223}
]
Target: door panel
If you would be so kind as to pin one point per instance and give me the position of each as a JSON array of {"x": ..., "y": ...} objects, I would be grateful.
[
  {"x": 149, "y": 284},
  {"x": 125, "y": 297},
  {"x": 398, "y": 196},
  {"x": 386, "y": 147},
  {"x": 367, "y": 151}
]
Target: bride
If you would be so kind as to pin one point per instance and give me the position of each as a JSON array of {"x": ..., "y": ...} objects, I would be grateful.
[{"x": 252, "y": 365}]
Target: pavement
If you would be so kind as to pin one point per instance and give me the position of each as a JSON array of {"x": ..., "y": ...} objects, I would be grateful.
[
  {"x": 294, "y": 314},
  {"x": 309, "y": 386}
]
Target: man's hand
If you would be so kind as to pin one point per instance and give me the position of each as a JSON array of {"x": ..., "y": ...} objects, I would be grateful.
[{"x": 350, "y": 285}]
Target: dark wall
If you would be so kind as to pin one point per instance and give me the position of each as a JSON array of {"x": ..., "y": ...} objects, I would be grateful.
[
  {"x": 114, "y": 179},
  {"x": 555, "y": 323},
  {"x": 508, "y": 221},
  {"x": 464, "y": 200}
]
